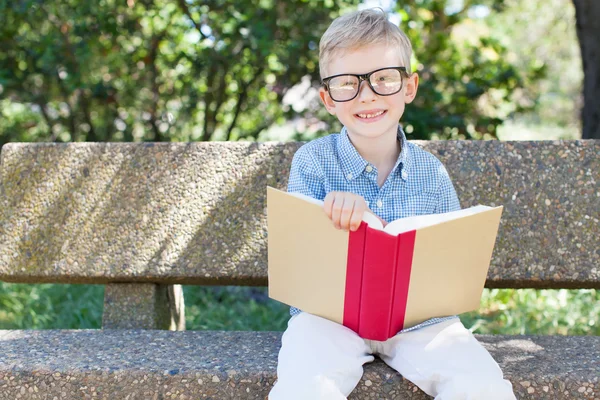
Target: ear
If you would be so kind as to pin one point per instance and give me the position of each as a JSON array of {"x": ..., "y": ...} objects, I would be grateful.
[
  {"x": 412, "y": 83},
  {"x": 326, "y": 100}
]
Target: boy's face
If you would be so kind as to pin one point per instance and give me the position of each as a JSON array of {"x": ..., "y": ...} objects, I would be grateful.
[{"x": 370, "y": 115}]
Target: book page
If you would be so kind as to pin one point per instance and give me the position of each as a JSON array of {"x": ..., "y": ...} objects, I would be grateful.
[
  {"x": 421, "y": 221},
  {"x": 368, "y": 217},
  {"x": 450, "y": 263},
  {"x": 307, "y": 256}
]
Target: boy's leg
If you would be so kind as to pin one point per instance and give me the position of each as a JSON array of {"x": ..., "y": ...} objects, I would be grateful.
[
  {"x": 447, "y": 362},
  {"x": 319, "y": 359}
]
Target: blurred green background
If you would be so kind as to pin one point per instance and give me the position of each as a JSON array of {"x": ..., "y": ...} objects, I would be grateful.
[
  {"x": 502, "y": 311},
  {"x": 193, "y": 70},
  {"x": 188, "y": 70}
]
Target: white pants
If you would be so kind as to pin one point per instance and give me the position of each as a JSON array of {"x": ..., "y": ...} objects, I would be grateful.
[{"x": 320, "y": 359}]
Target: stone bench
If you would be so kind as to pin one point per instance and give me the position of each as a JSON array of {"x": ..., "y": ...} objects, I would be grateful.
[{"x": 145, "y": 218}]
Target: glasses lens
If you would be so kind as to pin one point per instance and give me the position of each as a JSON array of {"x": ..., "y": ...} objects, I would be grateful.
[
  {"x": 386, "y": 81},
  {"x": 342, "y": 88}
]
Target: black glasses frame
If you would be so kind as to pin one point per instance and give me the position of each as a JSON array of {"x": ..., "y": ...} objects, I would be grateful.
[{"x": 365, "y": 77}]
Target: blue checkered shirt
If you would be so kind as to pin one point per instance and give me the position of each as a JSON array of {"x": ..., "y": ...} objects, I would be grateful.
[{"x": 418, "y": 184}]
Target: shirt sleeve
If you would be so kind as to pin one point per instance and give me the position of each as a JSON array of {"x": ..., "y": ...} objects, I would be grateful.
[
  {"x": 447, "y": 199},
  {"x": 306, "y": 176}
]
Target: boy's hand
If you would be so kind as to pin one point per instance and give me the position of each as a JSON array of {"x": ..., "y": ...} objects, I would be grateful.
[{"x": 345, "y": 209}]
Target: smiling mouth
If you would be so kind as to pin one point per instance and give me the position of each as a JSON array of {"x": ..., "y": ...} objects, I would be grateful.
[{"x": 371, "y": 115}]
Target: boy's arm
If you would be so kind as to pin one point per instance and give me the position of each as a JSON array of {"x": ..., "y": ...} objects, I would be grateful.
[
  {"x": 306, "y": 176},
  {"x": 447, "y": 199}
]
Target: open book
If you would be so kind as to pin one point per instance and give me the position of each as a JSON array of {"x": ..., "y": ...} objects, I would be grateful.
[{"x": 375, "y": 280}]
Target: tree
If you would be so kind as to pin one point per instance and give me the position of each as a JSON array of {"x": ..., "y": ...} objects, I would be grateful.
[
  {"x": 184, "y": 70},
  {"x": 588, "y": 32},
  {"x": 549, "y": 43},
  {"x": 155, "y": 70},
  {"x": 467, "y": 80}
]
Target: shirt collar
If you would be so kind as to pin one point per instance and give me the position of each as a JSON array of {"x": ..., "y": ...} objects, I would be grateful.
[
  {"x": 403, "y": 164},
  {"x": 353, "y": 165}
]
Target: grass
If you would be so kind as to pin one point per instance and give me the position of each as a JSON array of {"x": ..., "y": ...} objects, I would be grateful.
[
  {"x": 50, "y": 306},
  {"x": 502, "y": 311}
]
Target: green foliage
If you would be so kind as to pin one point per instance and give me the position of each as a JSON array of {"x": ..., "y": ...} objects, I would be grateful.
[
  {"x": 160, "y": 70},
  {"x": 503, "y": 311},
  {"x": 527, "y": 312},
  {"x": 219, "y": 70},
  {"x": 467, "y": 81},
  {"x": 50, "y": 306},
  {"x": 233, "y": 308},
  {"x": 548, "y": 43}
]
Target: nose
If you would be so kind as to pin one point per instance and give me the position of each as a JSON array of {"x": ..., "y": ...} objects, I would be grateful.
[{"x": 365, "y": 93}]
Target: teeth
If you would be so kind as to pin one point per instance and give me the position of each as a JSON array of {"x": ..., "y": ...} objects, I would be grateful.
[{"x": 370, "y": 115}]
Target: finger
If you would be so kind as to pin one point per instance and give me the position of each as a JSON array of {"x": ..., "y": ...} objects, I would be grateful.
[
  {"x": 359, "y": 210},
  {"x": 336, "y": 210},
  {"x": 357, "y": 216},
  {"x": 328, "y": 203},
  {"x": 347, "y": 211}
]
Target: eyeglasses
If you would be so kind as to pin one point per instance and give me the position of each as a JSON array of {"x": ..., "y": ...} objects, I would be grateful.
[{"x": 383, "y": 81}]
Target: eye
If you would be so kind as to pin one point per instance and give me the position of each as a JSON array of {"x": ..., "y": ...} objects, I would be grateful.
[
  {"x": 343, "y": 82},
  {"x": 385, "y": 78}
]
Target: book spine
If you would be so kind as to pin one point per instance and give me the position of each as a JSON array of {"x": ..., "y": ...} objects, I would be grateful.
[
  {"x": 377, "y": 291},
  {"x": 405, "y": 244},
  {"x": 354, "y": 277}
]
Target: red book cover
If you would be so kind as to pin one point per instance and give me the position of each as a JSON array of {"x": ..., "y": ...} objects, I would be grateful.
[{"x": 378, "y": 274}]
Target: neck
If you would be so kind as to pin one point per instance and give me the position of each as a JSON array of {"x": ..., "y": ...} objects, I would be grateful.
[{"x": 380, "y": 152}]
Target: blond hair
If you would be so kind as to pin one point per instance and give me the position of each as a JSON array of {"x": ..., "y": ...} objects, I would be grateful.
[{"x": 360, "y": 29}]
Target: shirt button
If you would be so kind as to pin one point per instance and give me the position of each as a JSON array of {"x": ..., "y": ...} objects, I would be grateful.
[
  {"x": 369, "y": 168},
  {"x": 379, "y": 203},
  {"x": 349, "y": 176}
]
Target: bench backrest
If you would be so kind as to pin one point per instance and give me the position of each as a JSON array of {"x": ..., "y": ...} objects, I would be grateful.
[{"x": 194, "y": 213}]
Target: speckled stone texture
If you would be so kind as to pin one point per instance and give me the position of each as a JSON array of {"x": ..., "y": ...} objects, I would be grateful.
[
  {"x": 242, "y": 365},
  {"x": 143, "y": 306},
  {"x": 194, "y": 213}
]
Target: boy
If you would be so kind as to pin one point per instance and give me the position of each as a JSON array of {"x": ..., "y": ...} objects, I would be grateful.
[{"x": 365, "y": 65}]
